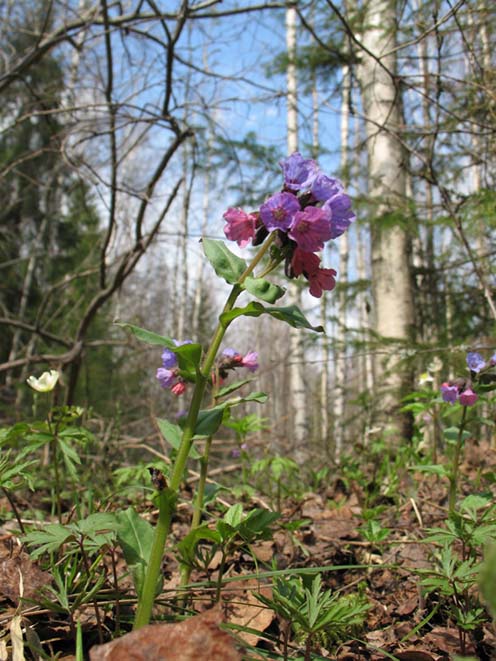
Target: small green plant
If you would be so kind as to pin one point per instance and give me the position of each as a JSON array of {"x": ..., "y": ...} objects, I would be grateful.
[
  {"x": 458, "y": 563},
  {"x": 233, "y": 531},
  {"x": 276, "y": 477},
  {"x": 372, "y": 530},
  {"x": 248, "y": 424},
  {"x": 316, "y": 616}
]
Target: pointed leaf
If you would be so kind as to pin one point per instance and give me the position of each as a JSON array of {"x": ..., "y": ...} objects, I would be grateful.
[
  {"x": 147, "y": 336},
  {"x": 173, "y": 434},
  {"x": 226, "y": 264},
  {"x": 291, "y": 314},
  {"x": 209, "y": 420},
  {"x": 232, "y": 387}
]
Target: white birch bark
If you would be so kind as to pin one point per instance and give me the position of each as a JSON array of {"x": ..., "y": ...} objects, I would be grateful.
[
  {"x": 341, "y": 366},
  {"x": 296, "y": 401},
  {"x": 393, "y": 308}
]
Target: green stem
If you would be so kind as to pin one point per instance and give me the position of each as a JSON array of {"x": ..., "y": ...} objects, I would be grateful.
[
  {"x": 168, "y": 497},
  {"x": 198, "y": 508},
  {"x": 456, "y": 465},
  {"x": 145, "y": 603},
  {"x": 55, "y": 453}
]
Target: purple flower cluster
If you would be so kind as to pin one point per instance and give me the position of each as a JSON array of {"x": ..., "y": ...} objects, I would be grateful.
[
  {"x": 311, "y": 209},
  {"x": 230, "y": 359},
  {"x": 461, "y": 389},
  {"x": 451, "y": 392},
  {"x": 168, "y": 375}
]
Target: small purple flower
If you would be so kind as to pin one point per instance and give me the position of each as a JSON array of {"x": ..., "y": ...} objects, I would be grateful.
[
  {"x": 250, "y": 361},
  {"x": 167, "y": 378},
  {"x": 449, "y": 393},
  {"x": 492, "y": 360},
  {"x": 169, "y": 359},
  {"x": 310, "y": 228},
  {"x": 240, "y": 226},
  {"x": 231, "y": 353},
  {"x": 341, "y": 216},
  {"x": 325, "y": 187},
  {"x": 468, "y": 397},
  {"x": 475, "y": 361},
  {"x": 235, "y": 453},
  {"x": 278, "y": 211},
  {"x": 298, "y": 172}
]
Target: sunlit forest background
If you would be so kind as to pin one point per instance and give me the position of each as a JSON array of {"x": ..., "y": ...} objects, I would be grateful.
[{"x": 128, "y": 128}]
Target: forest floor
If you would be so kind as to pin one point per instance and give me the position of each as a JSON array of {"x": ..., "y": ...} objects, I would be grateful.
[{"x": 401, "y": 623}]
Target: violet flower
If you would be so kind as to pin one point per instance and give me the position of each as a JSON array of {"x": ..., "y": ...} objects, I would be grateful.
[
  {"x": 324, "y": 187},
  {"x": 449, "y": 393},
  {"x": 166, "y": 377},
  {"x": 169, "y": 359},
  {"x": 299, "y": 173},
  {"x": 278, "y": 211},
  {"x": 475, "y": 361},
  {"x": 341, "y": 215}
]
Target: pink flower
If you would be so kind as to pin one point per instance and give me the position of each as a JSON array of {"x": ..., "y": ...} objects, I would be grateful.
[
  {"x": 311, "y": 228},
  {"x": 304, "y": 262},
  {"x": 179, "y": 388},
  {"x": 468, "y": 397},
  {"x": 250, "y": 361},
  {"x": 322, "y": 280},
  {"x": 240, "y": 226}
]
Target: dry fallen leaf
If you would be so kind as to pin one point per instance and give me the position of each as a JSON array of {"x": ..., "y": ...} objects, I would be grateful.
[
  {"x": 247, "y": 611},
  {"x": 198, "y": 638},
  {"x": 15, "y": 563},
  {"x": 16, "y": 639}
]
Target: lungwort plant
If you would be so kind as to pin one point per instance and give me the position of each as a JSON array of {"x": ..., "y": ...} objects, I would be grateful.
[{"x": 289, "y": 228}]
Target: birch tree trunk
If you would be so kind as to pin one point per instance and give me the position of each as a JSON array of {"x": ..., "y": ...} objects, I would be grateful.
[
  {"x": 341, "y": 367},
  {"x": 296, "y": 401},
  {"x": 391, "y": 287}
]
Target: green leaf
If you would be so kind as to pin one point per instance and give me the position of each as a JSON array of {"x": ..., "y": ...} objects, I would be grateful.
[
  {"x": 451, "y": 434},
  {"x": 173, "y": 434},
  {"x": 209, "y": 420},
  {"x": 234, "y": 515},
  {"x": 291, "y": 314},
  {"x": 50, "y": 539},
  {"x": 188, "y": 355},
  {"x": 98, "y": 522},
  {"x": 263, "y": 289},
  {"x": 148, "y": 336},
  {"x": 226, "y": 264},
  {"x": 259, "y": 397},
  {"x": 436, "y": 469},
  {"x": 187, "y": 546},
  {"x": 70, "y": 456},
  {"x": 232, "y": 387},
  {"x": 135, "y": 537}
]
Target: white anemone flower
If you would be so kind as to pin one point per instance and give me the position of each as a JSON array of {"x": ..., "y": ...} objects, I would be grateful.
[{"x": 45, "y": 383}]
